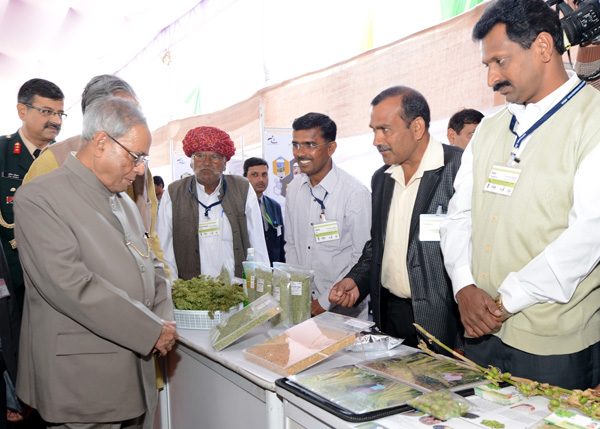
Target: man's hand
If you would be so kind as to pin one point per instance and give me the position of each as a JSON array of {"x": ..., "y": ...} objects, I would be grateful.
[
  {"x": 478, "y": 311},
  {"x": 315, "y": 308},
  {"x": 167, "y": 338},
  {"x": 13, "y": 416},
  {"x": 344, "y": 293}
]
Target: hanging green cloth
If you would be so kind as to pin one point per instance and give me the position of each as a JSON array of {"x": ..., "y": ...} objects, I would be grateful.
[{"x": 451, "y": 8}]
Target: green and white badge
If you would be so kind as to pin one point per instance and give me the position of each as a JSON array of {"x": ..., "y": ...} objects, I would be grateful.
[
  {"x": 502, "y": 180},
  {"x": 208, "y": 229},
  {"x": 429, "y": 226},
  {"x": 327, "y": 231}
]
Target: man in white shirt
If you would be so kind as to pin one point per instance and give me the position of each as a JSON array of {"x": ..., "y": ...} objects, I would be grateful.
[
  {"x": 519, "y": 242},
  {"x": 209, "y": 220},
  {"x": 327, "y": 213}
]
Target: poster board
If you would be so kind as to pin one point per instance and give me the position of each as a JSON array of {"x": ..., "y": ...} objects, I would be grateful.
[{"x": 277, "y": 149}]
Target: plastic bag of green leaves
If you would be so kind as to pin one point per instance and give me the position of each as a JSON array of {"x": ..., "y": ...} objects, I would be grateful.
[
  {"x": 263, "y": 279},
  {"x": 300, "y": 279},
  {"x": 281, "y": 292},
  {"x": 442, "y": 404},
  {"x": 249, "y": 279}
]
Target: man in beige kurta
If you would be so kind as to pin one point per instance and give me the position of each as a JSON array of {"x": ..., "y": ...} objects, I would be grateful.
[{"x": 96, "y": 304}]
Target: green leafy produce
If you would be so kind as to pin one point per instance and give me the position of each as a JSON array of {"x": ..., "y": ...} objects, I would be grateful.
[
  {"x": 281, "y": 286},
  {"x": 203, "y": 293},
  {"x": 440, "y": 405},
  {"x": 263, "y": 277},
  {"x": 300, "y": 298},
  {"x": 243, "y": 321}
]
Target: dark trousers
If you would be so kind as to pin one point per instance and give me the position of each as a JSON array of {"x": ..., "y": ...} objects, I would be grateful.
[
  {"x": 399, "y": 320},
  {"x": 578, "y": 370}
]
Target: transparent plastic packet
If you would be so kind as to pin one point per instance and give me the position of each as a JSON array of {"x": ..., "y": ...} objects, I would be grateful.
[
  {"x": 307, "y": 343},
  {"x": 374, "y": 341},
  {"x": 300, "y": 280},
  {"x": 249, "y": 279},
  {"x": 263, "y": 279},
  {"x": 441, "y": 404},
  {"x": 227, "y": 273},
  {"x": 281, "y": 292},
  {"x": 238, "y": 324}
]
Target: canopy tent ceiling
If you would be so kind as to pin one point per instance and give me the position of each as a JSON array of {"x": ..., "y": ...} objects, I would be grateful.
[{"x": 186, "y": 57}]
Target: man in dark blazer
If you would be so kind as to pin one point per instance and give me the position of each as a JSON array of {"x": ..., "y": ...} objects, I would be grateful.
[
  {"x": 256, "y": 170},
  {"x": 40, "y": 108},
  {"x": 401, "y": 266}
]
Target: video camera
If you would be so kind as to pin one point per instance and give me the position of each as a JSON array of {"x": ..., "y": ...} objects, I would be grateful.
[{"x": 582, "y": 25}]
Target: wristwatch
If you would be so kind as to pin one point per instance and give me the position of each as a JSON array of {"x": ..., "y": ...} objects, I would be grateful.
[{"x": 498, "y": 301}]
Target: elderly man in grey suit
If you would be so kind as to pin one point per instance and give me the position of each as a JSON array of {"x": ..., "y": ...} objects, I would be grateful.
[
  {"x": 401, "y": 266},
  {"x": 97, "y": 304}
]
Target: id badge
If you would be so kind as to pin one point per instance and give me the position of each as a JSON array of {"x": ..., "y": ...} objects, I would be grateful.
[
  {"x": 3, "y": 289},
  {"x": 502, "y": 180},
  {"x": 327, "y": 231},
  {"x": 208, "y": 229},
  {"x": 429, "y": 226}
]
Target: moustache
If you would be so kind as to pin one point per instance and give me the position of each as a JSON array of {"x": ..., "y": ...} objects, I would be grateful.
[
  {"x": 303, "y": 158},
  {"x": 52, "y": 125},
  {"x": 201, "y": 169},
  {"x": 382, "y": 148},
  {"x": 498, "y": 86}
]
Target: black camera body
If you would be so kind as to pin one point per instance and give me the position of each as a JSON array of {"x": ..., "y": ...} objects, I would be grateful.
[{"x": 581, "y": 25}]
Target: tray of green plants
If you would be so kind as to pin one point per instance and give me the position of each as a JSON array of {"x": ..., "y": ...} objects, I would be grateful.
[{"x": 203, "y": 302}]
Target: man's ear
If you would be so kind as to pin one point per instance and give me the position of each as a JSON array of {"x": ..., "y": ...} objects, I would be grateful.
[
  {"x": 99, "y": 142},
  {"x": 21, "y": 110},
  {"x": 451, "y": 134},
  {"x": 418, "y": 128},
  {"x": 544, "y": 46},
  {"x": 331, "y": 147}
]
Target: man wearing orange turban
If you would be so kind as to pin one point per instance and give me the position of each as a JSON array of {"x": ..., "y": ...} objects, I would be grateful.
[{"x": 210, "y": 219}]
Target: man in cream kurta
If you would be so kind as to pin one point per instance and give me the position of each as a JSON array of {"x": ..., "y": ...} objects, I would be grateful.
[{"x": 96, "y": 303}]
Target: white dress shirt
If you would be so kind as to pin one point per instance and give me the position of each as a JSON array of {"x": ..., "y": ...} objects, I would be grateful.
[
  {"x": 349, "y": 203},
  {"x": 218, "y": 249},
  {"x": 553, "y": 275}
]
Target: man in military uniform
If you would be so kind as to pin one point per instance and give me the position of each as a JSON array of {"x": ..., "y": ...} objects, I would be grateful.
[{"x": 40, "y": 107}]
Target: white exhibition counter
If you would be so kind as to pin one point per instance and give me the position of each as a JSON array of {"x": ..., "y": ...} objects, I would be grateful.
[{"x": 209, "y": 389}]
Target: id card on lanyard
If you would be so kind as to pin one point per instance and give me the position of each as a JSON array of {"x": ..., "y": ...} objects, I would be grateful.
[
  {"x": 325, "y": 231},
  {"x": 503, "y": 178}
]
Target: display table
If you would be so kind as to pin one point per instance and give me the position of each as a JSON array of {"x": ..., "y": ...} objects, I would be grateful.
[{"x": 207, "y": 389}]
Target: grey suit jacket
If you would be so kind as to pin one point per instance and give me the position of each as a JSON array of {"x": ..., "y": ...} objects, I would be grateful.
[
  {"x": 432, "y": 298},
  {"x": 93, "y": 304}
]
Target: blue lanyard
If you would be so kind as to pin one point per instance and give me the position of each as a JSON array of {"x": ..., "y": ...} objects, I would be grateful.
[
  {"x": 207, "y": 208},
  {"x": 556, "y": 108},
  {"x": 321, "y": 202}
]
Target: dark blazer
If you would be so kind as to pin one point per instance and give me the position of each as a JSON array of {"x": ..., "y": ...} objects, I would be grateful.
[
  {"x": 275, "y": 243},
  {"x": 432, "y": 297},
  {"x": 13, "y": 167},
  {"x": 10, "y": 322}
]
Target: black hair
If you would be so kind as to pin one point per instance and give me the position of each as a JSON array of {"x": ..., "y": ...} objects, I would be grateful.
[
  {"x": 464, "y": 117},
  {"x": 317, "y": 120},
  {"x": 253, "y": 162},
  {"x": 158, "y": 181},
  {"x": 414, "y": 104},
  {"x": 524, "y": 20},
  {"x": 39, "y": 87}
]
